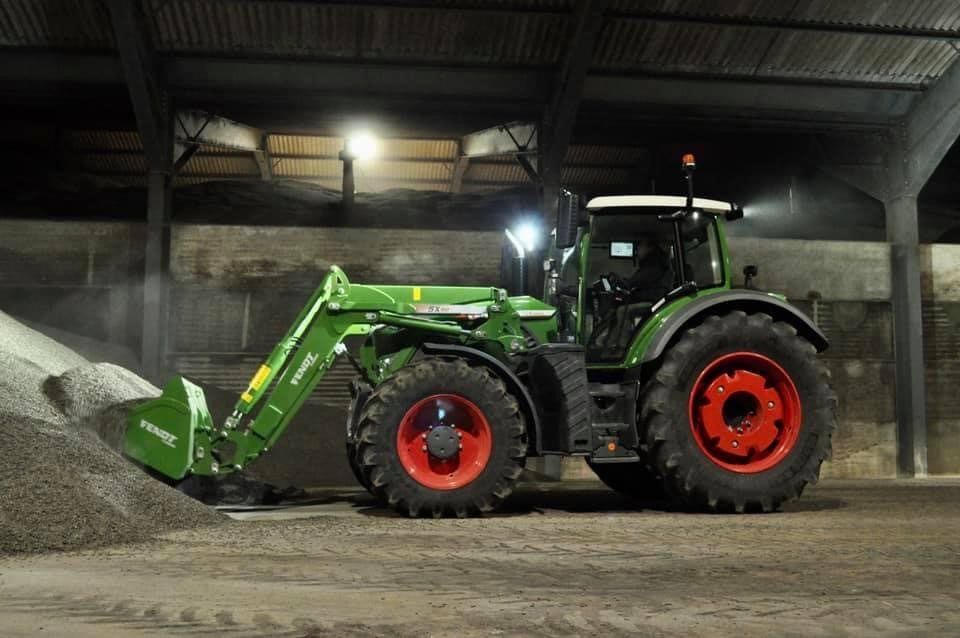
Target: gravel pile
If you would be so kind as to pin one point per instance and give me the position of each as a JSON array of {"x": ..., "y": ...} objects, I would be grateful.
[{"x": 61, "y": 486}]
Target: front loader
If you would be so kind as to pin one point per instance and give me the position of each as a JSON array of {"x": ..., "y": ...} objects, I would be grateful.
[{"x": 643, "y": 359}]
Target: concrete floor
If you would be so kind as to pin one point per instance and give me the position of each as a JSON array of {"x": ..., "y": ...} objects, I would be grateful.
[{"x": 848, "y": 559}]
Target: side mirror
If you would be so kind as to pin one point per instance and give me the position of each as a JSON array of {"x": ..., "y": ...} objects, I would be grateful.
[
  {"x": 749, "y": 272},
  {"x": 735, "y": 213},
  {"x": 568, "y": 218}
]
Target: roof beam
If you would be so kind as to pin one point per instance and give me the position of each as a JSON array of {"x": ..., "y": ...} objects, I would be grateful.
[
  {"x": 561, "y": 113},
  {"x": 147, "y": 88},
  {"x": 206, "y": 129},
  {"x": 771, "y": 22},
  {"x": 237, "y": 81},
  {"x": 789, "y": 24},
  {"x": 194, "y": 129},
  {"x": 932, "y": 126},
  {"x": 500, "y": 140},
  {"x": 459, "y": 170},
  {"x": 514, "y": 138}
]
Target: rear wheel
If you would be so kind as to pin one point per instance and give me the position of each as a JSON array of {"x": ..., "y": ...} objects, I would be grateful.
[
  {"x": 441, "y": 438},
  {"x": 739, "y": 416}
]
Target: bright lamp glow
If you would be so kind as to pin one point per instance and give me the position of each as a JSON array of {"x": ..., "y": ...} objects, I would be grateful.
[
  {"x": 362, "y": 145},
  {"x": 525, "y": 237},
  {"x": 529, "y": 234}
]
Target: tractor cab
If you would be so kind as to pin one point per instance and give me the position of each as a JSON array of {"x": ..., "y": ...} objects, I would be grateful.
[
  {"x": 635, "y": 261},
  {"x": 627, "y": 259}
]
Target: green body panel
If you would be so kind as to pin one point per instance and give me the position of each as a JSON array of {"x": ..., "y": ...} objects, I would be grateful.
[
  {"x": 641, "y": 341},
  {"x": 537, "y": 317}
]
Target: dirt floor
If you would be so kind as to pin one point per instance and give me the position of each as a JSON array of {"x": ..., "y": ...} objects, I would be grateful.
[{"x": 848, "y": 559}]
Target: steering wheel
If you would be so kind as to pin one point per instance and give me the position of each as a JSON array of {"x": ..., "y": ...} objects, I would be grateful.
[{"x": 610, "y": 283}]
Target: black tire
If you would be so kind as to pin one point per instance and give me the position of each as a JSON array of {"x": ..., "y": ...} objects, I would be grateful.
[
  {"x": 353, "y": 450},
  {"x": 380, "y": 420},
  {"x": 689, "y": 476},
  {"x": 353, "y": 459},
  {"x": 634, "y": 480}
]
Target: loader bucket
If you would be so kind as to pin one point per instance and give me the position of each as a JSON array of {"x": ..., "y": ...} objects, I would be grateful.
[{"x": 161, "y": 433}]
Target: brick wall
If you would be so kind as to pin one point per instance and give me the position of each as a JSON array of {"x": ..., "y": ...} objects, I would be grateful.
[
  {"x": 75, "y": 276},
  {"x": 235, "y": 289},
  {"x": 941, "y": 334}
]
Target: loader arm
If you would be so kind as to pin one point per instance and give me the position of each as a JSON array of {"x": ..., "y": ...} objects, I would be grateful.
[{"x": 175, "y": 433}]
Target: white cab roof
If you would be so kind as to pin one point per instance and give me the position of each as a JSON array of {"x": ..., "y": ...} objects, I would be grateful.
[{"x": 659, "y": 201}]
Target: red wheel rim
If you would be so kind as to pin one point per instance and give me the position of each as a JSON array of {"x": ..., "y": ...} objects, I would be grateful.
[
  {"x": 460, "y": 416},
  {"x": 745, "y": 412}
]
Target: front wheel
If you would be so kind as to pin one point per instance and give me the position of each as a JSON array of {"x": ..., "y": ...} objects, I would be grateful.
[
  {"x": 440, "y": 437},
  {"x": 739, "y": 416},
  {"x": 353, "y": 459}
]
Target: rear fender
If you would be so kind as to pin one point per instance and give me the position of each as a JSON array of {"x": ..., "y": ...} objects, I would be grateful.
[{"x": 718, "y": 303}]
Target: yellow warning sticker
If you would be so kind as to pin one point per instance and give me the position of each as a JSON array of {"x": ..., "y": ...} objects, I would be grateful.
[
  {"x": 247, "y": 397},
  {"x": 260, "y": 377},
  {"x": 416, "y": 294}
]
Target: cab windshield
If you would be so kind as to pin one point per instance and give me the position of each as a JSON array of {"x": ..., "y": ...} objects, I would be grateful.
[{"x": 632, "y": 265}]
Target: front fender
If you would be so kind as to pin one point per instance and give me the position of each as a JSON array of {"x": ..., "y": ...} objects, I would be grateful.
[{"x": 728, "y": 300}]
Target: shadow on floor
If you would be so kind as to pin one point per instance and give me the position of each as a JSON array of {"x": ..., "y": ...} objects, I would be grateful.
[{"x": 530, "y": 499}]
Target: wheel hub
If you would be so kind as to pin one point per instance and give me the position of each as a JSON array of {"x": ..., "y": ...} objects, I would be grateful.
[
  {"x": 442, "y": 442},
  {"x": 745, "y": 412}
]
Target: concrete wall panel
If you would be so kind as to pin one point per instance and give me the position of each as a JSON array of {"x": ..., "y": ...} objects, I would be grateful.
[
  {"x": 941, "y": 272},
  {"x": 829, "y": 269},
  {"x": 242, "y": 256},
  {"x": 941, "y": 333}
]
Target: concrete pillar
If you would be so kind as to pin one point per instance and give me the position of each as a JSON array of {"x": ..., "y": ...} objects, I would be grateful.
[
  {"x": 911, "y": 409},
  {"x": 155, "y": 285}
]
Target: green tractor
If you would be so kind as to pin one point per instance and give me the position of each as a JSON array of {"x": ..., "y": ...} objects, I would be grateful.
[{"x": 643, "y": 359}]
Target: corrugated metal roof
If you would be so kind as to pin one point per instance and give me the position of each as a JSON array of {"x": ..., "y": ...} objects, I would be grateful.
[
  {"x": 309, "y": 145},
  {"x": 420, "y": 149},
  {"x": 403, "y": 163},
  {"x": 220, "y": 165},
  {"x": 927, "y": 14},
  {"x": 930, "y": 14},
  {"x": 55, "y": 23},
  {"x": 291, "y": 167},
  {"x": 534, "y": 36},
  {"x": 657, "y": 47},
  {"x": 104, "y": 140},
  {"x": 632, "y": 45},
  {"x": 118, "y": 163},
  {"x": 391, "y": 148},
  {"x": 857, "y": 57},
  {"x": 370, "y": 33},
  {"x": 419, "y": 171},
  {"x": 498, "y": 173}
]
